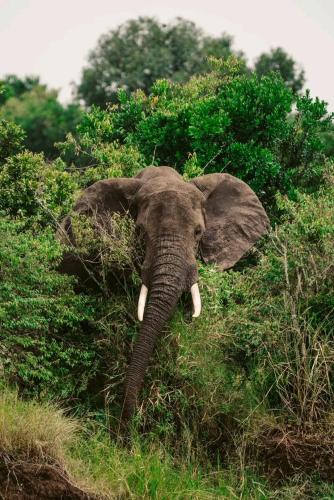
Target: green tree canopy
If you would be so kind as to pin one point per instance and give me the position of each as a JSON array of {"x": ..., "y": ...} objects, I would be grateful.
[
  {"x": 140, "y": 51},
  {"x": 13, "y": 86},
  {"x": 224, "y": 121},
  {"x": 43, "y": 118},
  {"x": 278, "y": 60}
]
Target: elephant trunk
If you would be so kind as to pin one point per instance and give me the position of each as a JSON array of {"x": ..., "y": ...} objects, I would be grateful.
[{"x": 166, "y": 287}]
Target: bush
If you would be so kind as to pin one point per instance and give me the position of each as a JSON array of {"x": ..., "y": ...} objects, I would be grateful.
[
  {"x": 45, "y": 337},
  {"x": 223, "y": 121},
  {"x": 110, "y": 245},
  {"x": 31, "y": 188},
  {"x": 43, "y": 118},
  {"x": 328, "y": 141},
  {"x": 96, "y": 153},
  {"x": 11, "y": 140}
]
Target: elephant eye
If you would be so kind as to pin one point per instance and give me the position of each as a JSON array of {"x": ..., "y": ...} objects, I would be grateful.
[{"x": 198, "y": 231}]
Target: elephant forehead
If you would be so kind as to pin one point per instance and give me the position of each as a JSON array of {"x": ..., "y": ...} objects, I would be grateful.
[
  {"x": 172, "y": 210},
  {"x": 174, "y": 202},
  {"x": 170, "y": 191}
]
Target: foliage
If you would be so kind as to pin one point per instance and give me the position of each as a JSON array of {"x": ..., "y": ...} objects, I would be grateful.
[
  {"x": 46, "y": 343},
  {"x": 279, "y": 61},
  {"x": 96, "y": 153},
  {"x": 137, "y": 53},
  {"x": 14, "y": 86},
  {"x": 30, "y": 187},
  {"x": 11, "y": 140},
  {"x": 225, "y": 121},
  {"x": 328, "y": 141},
  {"x": 244, "y": 390},
  {"x": 112, "y": 239},
  {"x": 43, "y": 118}
]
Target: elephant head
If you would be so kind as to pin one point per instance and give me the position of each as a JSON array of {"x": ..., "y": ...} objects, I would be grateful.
[{"x": 217, "y": 214}]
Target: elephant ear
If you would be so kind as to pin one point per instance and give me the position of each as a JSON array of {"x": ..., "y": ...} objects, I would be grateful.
[
  {"x": 100, "y": 199},
  {"x": 235, "y": 219},
  {"x": 107, "y": 196}
]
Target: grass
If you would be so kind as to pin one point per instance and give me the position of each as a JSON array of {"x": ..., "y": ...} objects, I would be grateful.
[
  {"x": 42, "y": 434},
  {"x": 33, "y": 431}
]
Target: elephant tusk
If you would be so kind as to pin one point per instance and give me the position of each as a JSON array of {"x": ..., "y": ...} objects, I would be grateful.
[
  {"x": 196, "y": 300},
  {"x": 142, "y": 302}
]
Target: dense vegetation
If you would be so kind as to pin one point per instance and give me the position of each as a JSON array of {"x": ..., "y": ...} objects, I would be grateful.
[
  {"x": 224, "y": 121},
  {"x": 38, "y": 111},
  {"x": 238, "y": 403},
  {"x": 140, "y": 51}
]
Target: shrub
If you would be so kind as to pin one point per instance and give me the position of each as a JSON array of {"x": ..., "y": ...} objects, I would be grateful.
[
  {"x": 43, "y": 118},
  {"x": 31, "y": 188},
  {"x": 97, "y": 154},
  {"x": 225, "y": 121},
  {"x": 11, "y": 140},
  {"x": 46, "y": 342},
  {"x": 110, "y": 244}
]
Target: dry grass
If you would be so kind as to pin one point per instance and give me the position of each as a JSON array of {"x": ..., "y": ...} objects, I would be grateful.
[
  {"x": 108, "y": 248},
  {"x": 35, "y": 460},
  {"x": 110, "y": 237},
  {"x": 285, "y": 450},
  {"x": 34, "y": 432}
]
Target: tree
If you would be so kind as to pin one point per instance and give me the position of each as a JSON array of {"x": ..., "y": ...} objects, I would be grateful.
[
  {"x": 140, "y": 51},
  {"x": 12, "y": 86},
  {"x": 224, "y": 121},
  {"x": 43, "y": 118},
  {"x": 278, "y": 60},
  {"x": 327, "y": 138}
]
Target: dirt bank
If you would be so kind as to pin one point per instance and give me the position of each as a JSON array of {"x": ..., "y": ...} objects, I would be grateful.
[{"x": 32, "y": 481}]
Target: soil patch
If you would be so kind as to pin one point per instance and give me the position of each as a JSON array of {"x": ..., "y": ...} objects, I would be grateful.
[{"x": 32, "y": 481}]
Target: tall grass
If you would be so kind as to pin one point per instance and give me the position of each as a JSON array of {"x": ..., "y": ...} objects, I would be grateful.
[{"x": 33, "y": 431}]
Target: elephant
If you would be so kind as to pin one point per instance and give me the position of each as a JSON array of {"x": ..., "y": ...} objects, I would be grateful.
[{"x": 217, "y": 215}]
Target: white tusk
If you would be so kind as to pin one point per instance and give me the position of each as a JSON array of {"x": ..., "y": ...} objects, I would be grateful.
[
  {"x": 142, "y": 302},
  {"x": 196, "y": 300}
]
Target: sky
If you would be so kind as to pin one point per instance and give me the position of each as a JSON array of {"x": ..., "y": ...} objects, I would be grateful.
[{"x": 52, "y": 38}]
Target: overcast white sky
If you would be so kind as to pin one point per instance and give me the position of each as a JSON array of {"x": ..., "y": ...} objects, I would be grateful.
[{"x": 52, "y": 38}]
